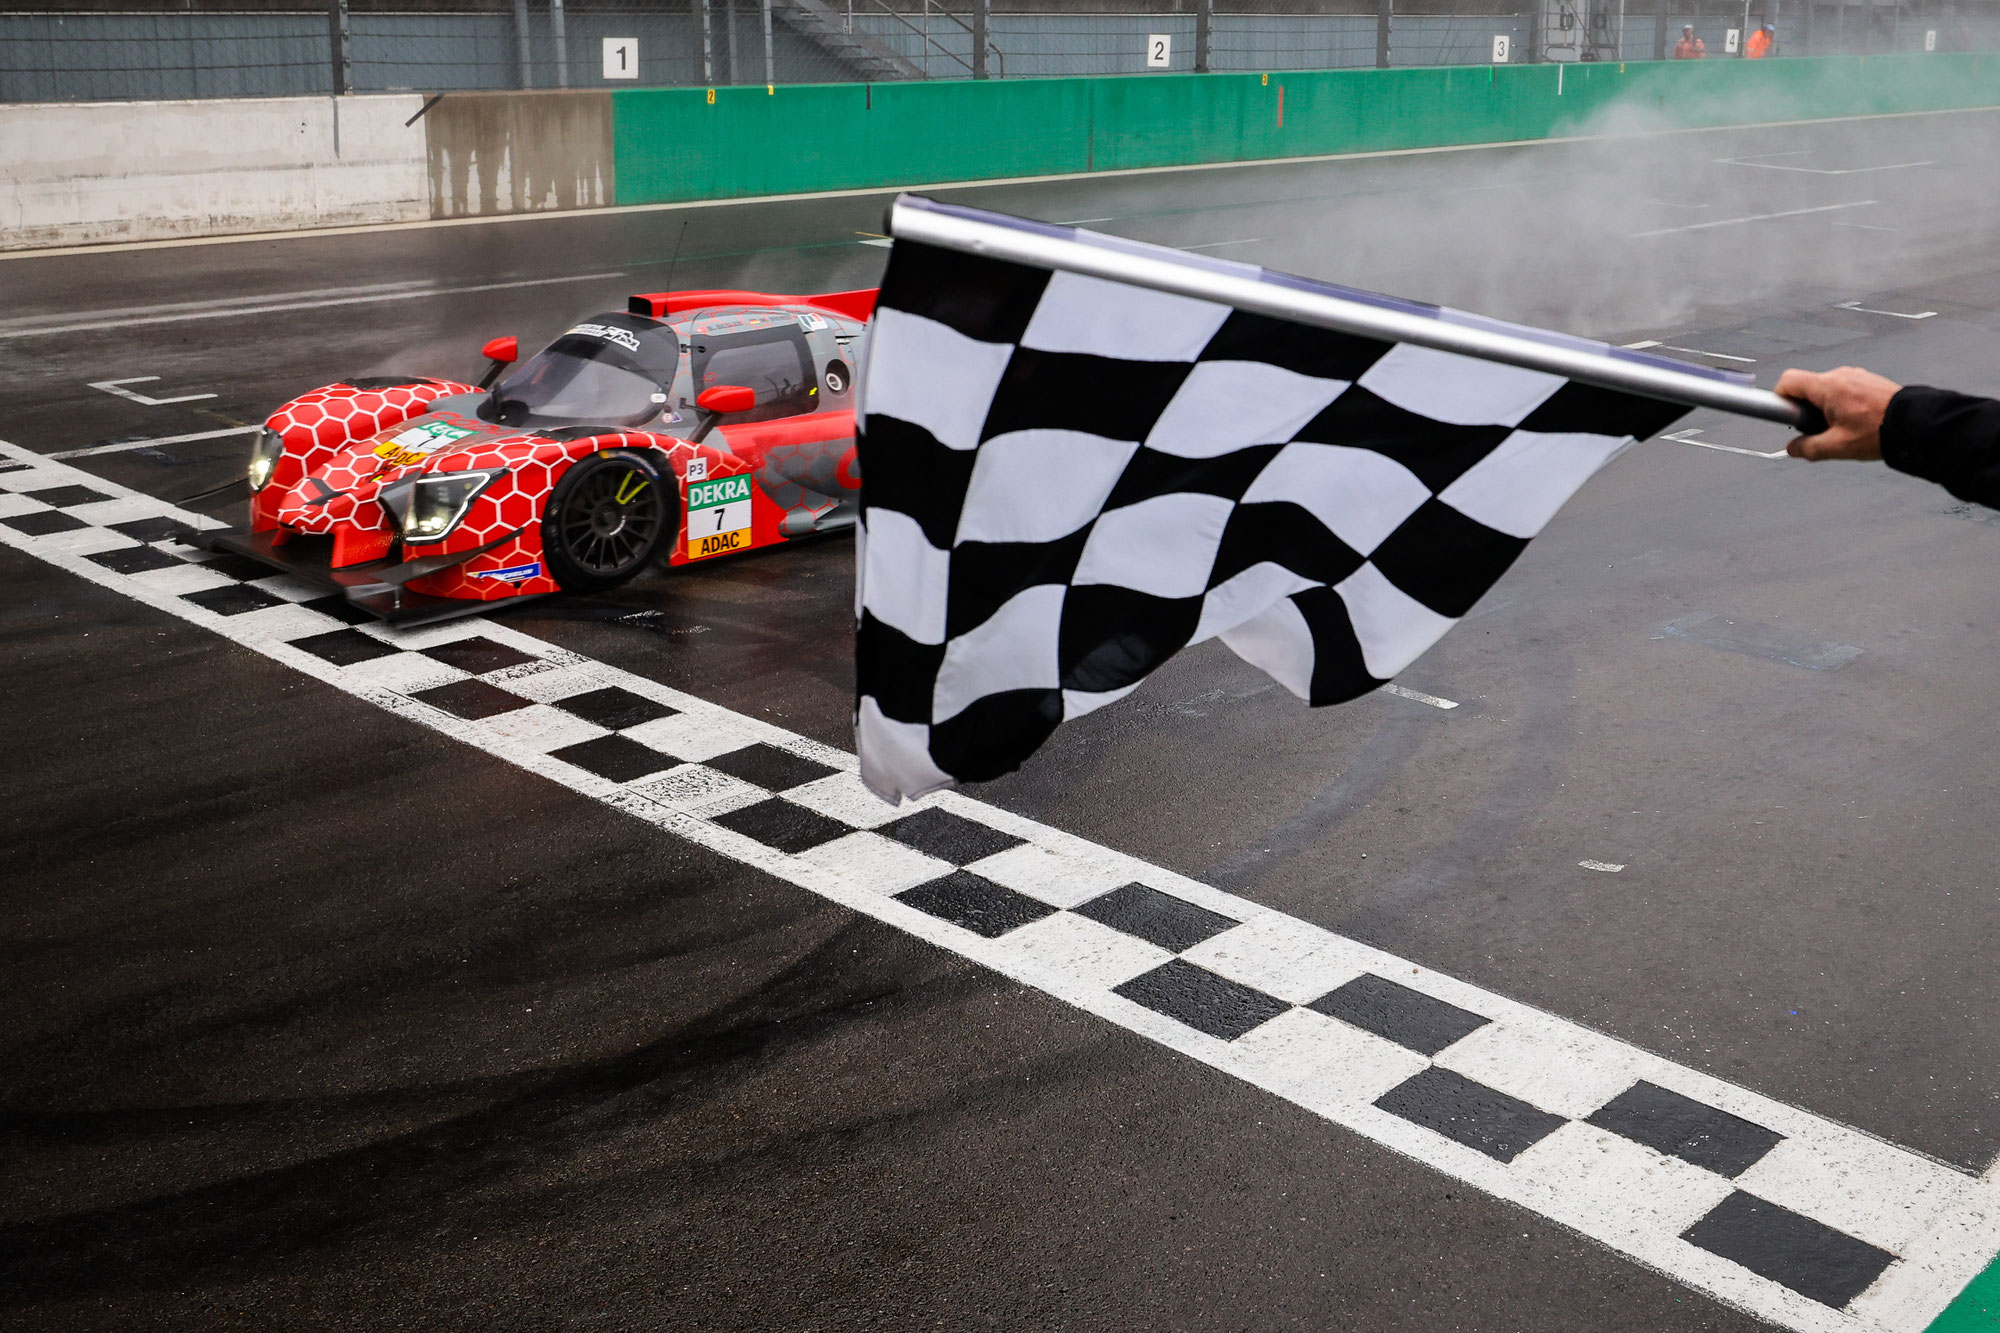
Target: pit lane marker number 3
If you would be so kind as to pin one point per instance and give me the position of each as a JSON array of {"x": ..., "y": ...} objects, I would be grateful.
[{"x": 718, "y": 516}]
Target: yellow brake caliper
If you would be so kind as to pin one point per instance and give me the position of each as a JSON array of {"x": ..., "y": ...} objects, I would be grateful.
[{"x": 630, "y": 477}]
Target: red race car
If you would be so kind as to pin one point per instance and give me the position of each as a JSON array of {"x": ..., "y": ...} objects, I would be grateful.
[{"x": 702, "y": 423}]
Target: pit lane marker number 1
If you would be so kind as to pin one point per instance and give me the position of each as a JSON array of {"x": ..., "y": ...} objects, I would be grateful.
[
  {"x": 621, "y": 57},
  {"x": 718, "y": 516}
]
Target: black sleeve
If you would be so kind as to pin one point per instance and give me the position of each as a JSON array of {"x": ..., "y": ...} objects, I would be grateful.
[{"x": 1949, "y": 438}]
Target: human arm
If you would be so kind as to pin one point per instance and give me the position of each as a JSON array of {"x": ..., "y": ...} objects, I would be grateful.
[{"x": 1949, "y": 438}]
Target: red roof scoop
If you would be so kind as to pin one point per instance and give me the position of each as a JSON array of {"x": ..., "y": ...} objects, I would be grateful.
[
  {"x": 859, "y": 305},
  {"x": 854, "y": 305}
]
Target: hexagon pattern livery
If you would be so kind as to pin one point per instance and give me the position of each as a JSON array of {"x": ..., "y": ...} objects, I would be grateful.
[{"x": 363, "y": 458}]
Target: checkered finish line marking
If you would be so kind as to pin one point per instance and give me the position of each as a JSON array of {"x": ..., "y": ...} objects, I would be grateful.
[{"x": 1807, "y": 1223}]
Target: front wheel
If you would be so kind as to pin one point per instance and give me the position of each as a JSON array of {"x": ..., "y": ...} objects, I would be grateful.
[{"x": 606, "y": 520}]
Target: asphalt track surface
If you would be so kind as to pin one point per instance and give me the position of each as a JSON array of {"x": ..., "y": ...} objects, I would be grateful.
[{"x": 321, "y": 1019}]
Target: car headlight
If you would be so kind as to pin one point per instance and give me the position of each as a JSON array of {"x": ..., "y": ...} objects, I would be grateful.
[
  {"x": 427, "y": 508},
  {"x": 264, "y": 456}
]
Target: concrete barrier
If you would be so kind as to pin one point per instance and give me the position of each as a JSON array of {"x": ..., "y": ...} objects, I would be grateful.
[
  {"x": 519, "y": 152},
  {"x": 106, "y": 171},
  {"x": 84, "y": 172}
]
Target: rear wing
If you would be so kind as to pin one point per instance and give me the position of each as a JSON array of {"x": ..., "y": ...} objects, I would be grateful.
[{"x": 857, "y": 305}]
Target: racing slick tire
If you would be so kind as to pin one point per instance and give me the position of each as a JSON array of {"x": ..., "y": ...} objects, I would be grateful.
[{"x": 607, "y": 518}]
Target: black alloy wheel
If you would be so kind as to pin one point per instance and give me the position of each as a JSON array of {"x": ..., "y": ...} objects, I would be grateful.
[{"x": 606, "y": 520}]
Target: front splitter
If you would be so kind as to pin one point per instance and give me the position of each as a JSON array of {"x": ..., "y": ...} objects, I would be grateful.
[{"x": 376, "y": 588}]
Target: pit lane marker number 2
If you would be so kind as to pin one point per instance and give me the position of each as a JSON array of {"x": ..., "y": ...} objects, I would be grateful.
[{"x": 718, "y": 516}]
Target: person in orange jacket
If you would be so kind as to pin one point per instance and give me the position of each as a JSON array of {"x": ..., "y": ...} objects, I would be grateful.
[
  {"x": 1763, "y": 42},
  {"x": 1689, "y": 47}
]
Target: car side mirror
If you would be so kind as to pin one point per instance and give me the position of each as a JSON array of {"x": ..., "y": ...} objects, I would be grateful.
[
  {"x": 716, "y": 403},
  {"x": 726, "y": 398},
  {"x": 502, "y": 353}
]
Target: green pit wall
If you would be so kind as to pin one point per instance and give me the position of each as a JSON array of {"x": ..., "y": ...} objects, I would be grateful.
[
  {"x": 673, "y": 144},
  {"x": 1977, "y": 1309}
]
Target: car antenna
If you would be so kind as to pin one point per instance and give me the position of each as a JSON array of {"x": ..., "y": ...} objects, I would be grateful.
[{"x": 674, "y": 263}]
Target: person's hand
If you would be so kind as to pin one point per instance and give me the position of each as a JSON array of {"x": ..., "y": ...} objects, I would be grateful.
[{"x": 1853, "y": 401}]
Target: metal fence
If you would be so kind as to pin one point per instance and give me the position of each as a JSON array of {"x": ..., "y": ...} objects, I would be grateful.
[{"x": 113, "y": 49}]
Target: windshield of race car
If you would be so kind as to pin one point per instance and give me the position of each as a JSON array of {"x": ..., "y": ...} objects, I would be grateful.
[{"x": 610, "y": 370}]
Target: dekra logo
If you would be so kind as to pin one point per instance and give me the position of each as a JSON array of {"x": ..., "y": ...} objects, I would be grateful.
[{"x": 707, "y": 494}]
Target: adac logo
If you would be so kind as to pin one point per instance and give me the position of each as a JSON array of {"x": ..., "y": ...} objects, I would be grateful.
[
  {"x": 407, "y": 448},
  {"x": 717, "y": 543}
]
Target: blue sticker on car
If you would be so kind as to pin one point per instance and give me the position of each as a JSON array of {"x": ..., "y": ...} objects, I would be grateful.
[{"x": 512, "y": 574}]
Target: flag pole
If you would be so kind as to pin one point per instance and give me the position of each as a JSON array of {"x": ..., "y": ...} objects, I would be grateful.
[{"x": 1305, "y": 301}]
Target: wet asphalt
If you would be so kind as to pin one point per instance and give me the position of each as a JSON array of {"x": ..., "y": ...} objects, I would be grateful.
[{"x": 321, "y": 1020}]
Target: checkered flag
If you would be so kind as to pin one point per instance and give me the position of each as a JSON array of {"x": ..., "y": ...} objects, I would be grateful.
[{"x": 1067, "y": 479}]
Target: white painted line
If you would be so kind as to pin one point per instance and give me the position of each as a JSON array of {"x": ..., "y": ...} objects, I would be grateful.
[
  {"x": 1084, "y": 222},
  {"x": 414, "y": 294},
  {"x": 1941, "y": 1224},
  {"x": 124, "y": 445},
  {"x": 1609, "y": 867},
  {"x": 34, "y": 323},
  {"x": 1719, "y": 356},
  {"x": 1864, "y": 226},
  {"x": 1642, "y": 344},
  {"x": 1732, "y": 449},
  {"x": 1814, "y": 171},
  {"x": 1217, "y": 245},
  {"x": 117, "y": 387},
  {"x": 881, "y": 241},
  {"x": 1754, "y": 217},
  {"x": 1893, "y": 314},
  {"x": 1418, "y": 696},
  {"x": 1688, "y": 437},
  {"x": 560, "y": 214}
]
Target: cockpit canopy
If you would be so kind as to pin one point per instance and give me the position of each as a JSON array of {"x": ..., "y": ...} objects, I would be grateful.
[
  {"x": 612, "y": 369},
  {"x": 623, "y": 370}
]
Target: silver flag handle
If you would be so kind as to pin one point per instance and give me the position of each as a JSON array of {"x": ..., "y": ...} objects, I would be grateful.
[{"x": 1114, "y": 259}]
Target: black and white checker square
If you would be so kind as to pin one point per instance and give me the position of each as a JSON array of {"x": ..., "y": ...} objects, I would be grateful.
[
  {"x": 1070, "y": 479},
  {"x": 126, "y": 536},
  {"x": 531, "y": 697},
  {"x": 1160, "y": 919},
  {"x": 29, "y": 506}
]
